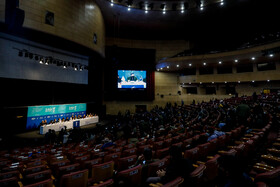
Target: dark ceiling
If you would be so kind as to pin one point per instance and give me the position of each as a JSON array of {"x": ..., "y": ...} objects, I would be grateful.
[{"x": 216, "y": 25}]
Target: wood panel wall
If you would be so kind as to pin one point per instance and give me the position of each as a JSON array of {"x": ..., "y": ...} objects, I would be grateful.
[
  {"x": 164, "y": 48},
  {"x": 73, "y": 20}
]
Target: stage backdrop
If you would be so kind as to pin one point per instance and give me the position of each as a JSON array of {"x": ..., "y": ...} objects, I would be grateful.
[{"x": 36, "y": 114}]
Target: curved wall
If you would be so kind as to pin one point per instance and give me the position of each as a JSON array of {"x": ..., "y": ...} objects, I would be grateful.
[{"x": 74, "y": 20}]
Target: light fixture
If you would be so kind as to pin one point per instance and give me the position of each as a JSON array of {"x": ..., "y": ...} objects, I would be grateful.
[
  {"x": 161, "y": 68},
  {"x": 253, "y": 58},
  {"x": 200, "y": 82},
  {"x": 167, "y": 66},
  {"x": 112, "y": 4},
  {"x": 235, "y": 60},
  {"x": 177, "y": 65},
  {"x": 20, "y": 53},
  {"x": 225, "y": 82},
  {"x": 190, "y": 83},
  {"x": 268, "y": 80},
  {"x": 238, "y": 81},
  {"x": 220, "y": 62},
  {"x": 204, "y": 63},
  {"x": 157, "y": 69},
  {"x": 41, "y": 61},
  {"x": 222, "y": 2},
  {"x": 253, "y": 81},
  {"x": 146, "y": 11},
  {"x": 271, "y": 55},
  {"x": 213, "y": 82},
  {"x": 190, "y": 64}
]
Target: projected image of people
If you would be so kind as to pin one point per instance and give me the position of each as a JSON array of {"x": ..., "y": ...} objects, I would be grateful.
[{"x": 131, "y": 79}]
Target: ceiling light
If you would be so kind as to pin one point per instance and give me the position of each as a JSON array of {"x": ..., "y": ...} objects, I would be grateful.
[
  {"x": 271, "y": 55},
  {"x": 146, "y": 11},
  {"x": 157, "y": 69},
  {"x": 253, "y": 58},
  {"x": 177, "y": 65},
  {"x": 167, "y": 66},
  {"x": 41, "y": 61},
  {"x": 225, "y": 82},
  {"x": 235, "y": 60},
  {"x": 213, "y": 82},
  {"x": 182, "y": 11},
  {"x": 253, "y": 81},
  {"x": 200, "y": 83},
  {"x": 190, "y": 64},
  {"x": 220, "y": 62},
  {"x": 164, "y": 12},
  {"x": 238, "y": 81},
  {"x": 204, "y": 63},
  {"x": 128, "y": 9},
  {"x": 268, "y": 80},
  {"x": 160, "y": 68},
  {"x": 162, "y": 6}
]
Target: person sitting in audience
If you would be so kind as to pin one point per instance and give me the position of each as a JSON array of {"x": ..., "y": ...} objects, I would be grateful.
[
  {"x": 213, "y": 133},
  {"x": 178, "y": 166}
]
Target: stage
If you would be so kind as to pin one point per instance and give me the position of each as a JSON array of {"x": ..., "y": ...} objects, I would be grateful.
[{"x": 36, "y": 133}]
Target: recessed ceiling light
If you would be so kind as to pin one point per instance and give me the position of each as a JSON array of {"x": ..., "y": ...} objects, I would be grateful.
[
  {"x": 190, "y": 64},
  {"x": 112, "y": 4},
  {"x": 253, "y": 81},
  {"x": 160, "y": 68},
  {"x": 238, "y": 81},
  {"x": 182, "y": 11},
  {"x": 268, "y": 80},
  {"x": 253, "y": 58},
  {"x": 177, "y": 65},
  {"x": 167, "y": 66},
  {"x": 271, "y": 55},
  {"x": 200, "y": 83},
  {"x": 204, "y": 63},
  {"x": 225, "y": 81},
  {"x": 146, "y": 11},
  {"x": 220, "y": 62},
  {"x": 235, "y": 60},
  {"x": 213, "y": 82}
]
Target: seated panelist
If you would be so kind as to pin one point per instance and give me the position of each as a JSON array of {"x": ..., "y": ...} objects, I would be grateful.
[{"x": 132, "y": 77}]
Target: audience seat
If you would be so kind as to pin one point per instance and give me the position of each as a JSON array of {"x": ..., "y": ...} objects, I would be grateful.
[
  {"x": 271, "y": 178},
  {"x": 155, "y": 166},
  {"x": 175, "y": 183},
  {"x": 79, "y": 178},
  {"x": 9, "y": 182},
  {"x": 37, "y": 177},
  {"x": 107, "y": 183},
  {"x": 161, "y": 153},
  {"x": 197, "y": 175},
  {"x": 45, "y": 183},
  {"x": 192, "y": 154},
  {"x": 132, "y": 176},
  {"x": 112, "y": 157},
  {"x": 126, "y": 162},
  {"x": 34, "y": 169},
  {"x": 101, "y": 172},
  {"x": 129, "y": 152}
]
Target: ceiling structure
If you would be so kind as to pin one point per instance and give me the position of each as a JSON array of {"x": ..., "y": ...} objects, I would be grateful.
[{"x": 216, "y": 24}]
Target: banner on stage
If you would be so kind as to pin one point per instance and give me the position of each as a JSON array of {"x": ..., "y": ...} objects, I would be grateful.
[{"x": 36, "y": 114}]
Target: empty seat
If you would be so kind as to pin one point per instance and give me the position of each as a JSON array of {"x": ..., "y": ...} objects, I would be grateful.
[
  {"x": 9, "y": 174},
  {"x": 9, "y": 182},
  {"x": 161, "y": 153},
  {"x": 37, "y": 177},
  {"x": 107, "y": 183},
  {"x": 132, "y": 176},
  {"x": 101, "y": 172},
  {"x": 271, "y": 178},
  {"x": 192, "y": 154},
  {"x": 129, "y": 152},
  {"x": 158, "y": 145},
  {"x": 112, "y": 157},
  {"x": 212, "y": 166},
  {"x": 203, "y": 150},
  {"x": 45, "y": 183},
  {"x": 67, "y": 169},
  {"x": 79, "y": 178},
  {"x": 34, "y": 169},
  {"x": 176, "y": 182},
  {"x": 197, "y": 175},
  {"x": 125, "y": 162}
]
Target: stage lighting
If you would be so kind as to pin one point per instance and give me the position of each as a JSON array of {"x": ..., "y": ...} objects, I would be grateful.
[
  {"x": 162, "y": 6},
  {"x": 36, "y": 57}
]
